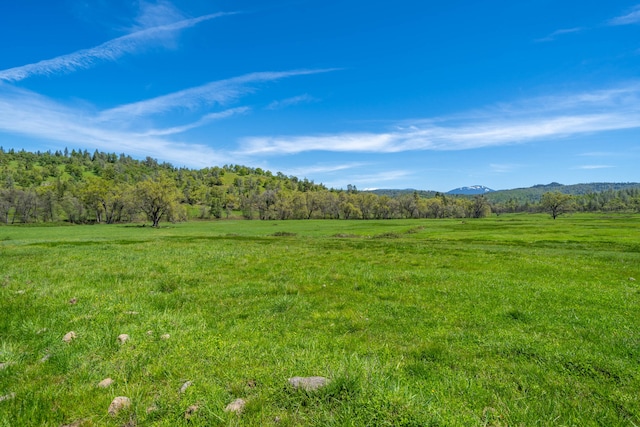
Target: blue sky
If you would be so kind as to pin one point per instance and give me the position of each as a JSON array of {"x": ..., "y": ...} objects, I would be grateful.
[{"x": 377, "y": 94}]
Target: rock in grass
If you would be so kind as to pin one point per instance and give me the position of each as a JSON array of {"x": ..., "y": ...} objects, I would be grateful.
[
  {"x": 308, "y": 383},
  {"x": 190, "y": 411},
  {"x": 185, "y": 386},
  {"x": 632, "y": 279},
  {"x": 69, "y": 336},
  {"x": 105, "y": 383},
  {"x": 73, "y": 300},
  {"x": 118, "y": 404},
  {"x": 165, "y": 336},
  {"x": 236, "y": 406},
  {"x": 7, "y": 397},
  {"x": 123, "y": 338}
]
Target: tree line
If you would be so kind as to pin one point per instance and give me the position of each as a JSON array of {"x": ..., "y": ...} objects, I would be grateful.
[{"x": 82, "y": 187}]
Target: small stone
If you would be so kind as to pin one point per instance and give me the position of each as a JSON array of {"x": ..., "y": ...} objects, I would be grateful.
[
  {"x": 185, "y": 386},
  {"x": 133, "y": 313},
  {"x": 190, "y": 411},
  {"x": 73, "y": 300},
  {"x": 276, "y": 419},
  {"x": 632, "y": 279},
  {"x": 236, "y": 406},
  {"x": 149, "y": 332},
  {"x": 45, "y": 358},
  {"x": 20, "y": 292},
  {"x": 308, "y": 383},
  {"x": 152, "y": 408},
  {"x": 7, "y": 397},
  {"x": 165, "y": 336},
  {"x": 118, "y": 404},
  {"x": 123, "y": 338},
  {"x": 69, "y": 336},
  {"x": 105, "y": 383}
]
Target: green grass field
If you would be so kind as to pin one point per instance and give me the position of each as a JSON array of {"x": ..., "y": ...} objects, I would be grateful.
[{"x": 507, "y": 321}]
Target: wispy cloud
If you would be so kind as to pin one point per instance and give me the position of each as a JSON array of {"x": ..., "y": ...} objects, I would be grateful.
[
  {"x": 600, "y": 154},
  {"x": 555, "y": 34},
  {"x": 108, "y": 51},
  {"x": 317, "y": 169},
  {"x": 503, "y": 167},
  {"x": 632, "y": 17},
  {"x": 156, "y": 14},
  {"x": 206, "y": 119},
  {"x": 440, "y": 138},
  {"x": 288, "y": 102},
  {"x": 590, "y": 167},
  {"x": 365, "y": 182},
  {"x": 26, "y": 113},
  {"x": 384, "y": 176},
  {"x": 218, "y": 92},
  {"x": 131, "y": 128},
  {"x": 541, "y": 118}
]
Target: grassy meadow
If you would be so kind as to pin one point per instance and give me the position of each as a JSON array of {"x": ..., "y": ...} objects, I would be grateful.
[{"x": 517, "y": 320}]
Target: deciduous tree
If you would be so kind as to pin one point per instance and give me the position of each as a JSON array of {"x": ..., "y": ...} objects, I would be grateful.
[
  {"x": 158, "y": 197},
  {"x": 556, "y": 203}
]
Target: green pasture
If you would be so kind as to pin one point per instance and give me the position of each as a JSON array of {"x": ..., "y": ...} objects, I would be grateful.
[{"x": 517, "y": 320}]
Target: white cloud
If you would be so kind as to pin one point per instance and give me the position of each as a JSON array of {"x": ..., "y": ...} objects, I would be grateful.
[
  {"x": 26, "y": 113},
  {"x": 316, "y": 169},
  {"x": 367, "y": 180},
  {"x": 632, "y": 17},
  {"x": 590, "y": 167},
  {"x": 600, "y": 154},
  {"x": 535, "y": 119},
  {"x": 30, "y": 114},
  {"x": 557, "y": 33},
  {"x": 503, "y": 167},
  {"x": 108, "y": 51},
  {"x": 288, "y": 102},
  {"x": 384, "y": 176},
  {"x": 343, "y": 142},
  {"x": 441, "y": 138},
  {"x": 157, "y": 14},
  {"x": 218, "y": 92},
  {"x": 207, "y": 118}
]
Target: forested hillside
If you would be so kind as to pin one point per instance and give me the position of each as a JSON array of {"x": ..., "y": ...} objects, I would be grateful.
[
  {"x": 84, "y": 187},
  {"x": 533, "y": 194}
]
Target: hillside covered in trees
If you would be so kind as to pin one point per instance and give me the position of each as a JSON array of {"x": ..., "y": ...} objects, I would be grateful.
[{"x": 84, "y": 187}]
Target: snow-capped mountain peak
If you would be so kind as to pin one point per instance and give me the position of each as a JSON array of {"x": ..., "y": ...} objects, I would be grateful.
[{"x": 472, "y": 190}]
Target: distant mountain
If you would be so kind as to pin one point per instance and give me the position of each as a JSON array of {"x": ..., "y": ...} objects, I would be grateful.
[
  {"x": 471, "y": 191},
  {"x": 520, "y": 195}
]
